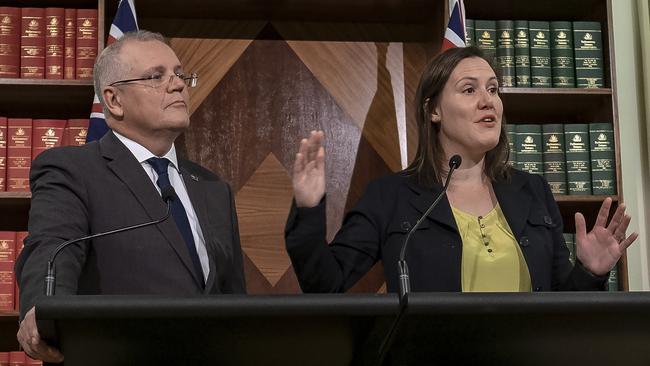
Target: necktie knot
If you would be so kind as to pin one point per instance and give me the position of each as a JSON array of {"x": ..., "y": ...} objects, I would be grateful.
[{"x": 159, "y": 165}]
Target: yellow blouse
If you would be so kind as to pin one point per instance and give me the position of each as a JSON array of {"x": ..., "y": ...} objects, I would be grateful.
[{"x": 492, "y": 260}]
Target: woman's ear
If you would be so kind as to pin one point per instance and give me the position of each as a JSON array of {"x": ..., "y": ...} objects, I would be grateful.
[{"x": 435, "y": 116}]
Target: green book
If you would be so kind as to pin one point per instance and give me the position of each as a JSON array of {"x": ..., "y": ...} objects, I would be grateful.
[
  {"x": 569, "y": 240},
  {"x": 522, "y": 54},
  {"x": 540, "y": 54},
  {"x": 562, "y": 65},
  {"x": 469, "y": 33},
  {"x": 612, "y": 281},
  {"x": 578, "y": 165},
  {"x": 603, "y": 163},
  {"x": 485, "y": 34},
  {"x": 553, "y": 156},
  {"x": 529, "y": 148},
  {"x": 588, "y": 53},
  {"x": 512, "y": 138},
  {"x": 506, "y": 52}
]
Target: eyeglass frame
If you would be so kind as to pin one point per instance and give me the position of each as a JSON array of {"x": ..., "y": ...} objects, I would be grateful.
[{"x": 193, "y": 77}]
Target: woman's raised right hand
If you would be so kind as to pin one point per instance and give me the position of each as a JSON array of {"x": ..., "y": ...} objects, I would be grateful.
[{"x": 309, "y": 171}]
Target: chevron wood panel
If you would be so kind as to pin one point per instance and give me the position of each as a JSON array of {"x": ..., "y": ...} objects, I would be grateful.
[
  {"x": 199, "y": 55},
  {"x": 358, "y": 76},
  {"x": 262, "y": 207}
]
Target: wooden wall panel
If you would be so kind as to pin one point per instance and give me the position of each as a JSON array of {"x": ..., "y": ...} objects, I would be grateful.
[{"x": 258, "y": 97}]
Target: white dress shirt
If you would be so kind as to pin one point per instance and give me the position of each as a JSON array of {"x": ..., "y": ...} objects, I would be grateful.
[{"x": 142, "y": 154}]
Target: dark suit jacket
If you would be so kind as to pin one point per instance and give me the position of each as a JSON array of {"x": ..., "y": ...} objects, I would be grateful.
[
  {"x": 101, "y": 186},
  {"x": 376, "y": 228}
]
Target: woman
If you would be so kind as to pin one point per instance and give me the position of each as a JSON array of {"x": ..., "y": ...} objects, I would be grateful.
[{"x": 497, "y": 229}]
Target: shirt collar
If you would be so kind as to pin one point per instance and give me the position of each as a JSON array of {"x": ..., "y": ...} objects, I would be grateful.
[{"x": 142, "y": 154}]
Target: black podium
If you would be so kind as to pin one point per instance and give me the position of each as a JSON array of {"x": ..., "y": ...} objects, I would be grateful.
[{"x": 438, "y": 329}]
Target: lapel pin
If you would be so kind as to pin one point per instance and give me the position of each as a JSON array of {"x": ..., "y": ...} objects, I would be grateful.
[{"x": 194, "y": 177}]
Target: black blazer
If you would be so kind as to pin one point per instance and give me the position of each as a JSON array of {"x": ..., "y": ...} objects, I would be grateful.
[
  {"x": 375, "y": 230},
  {"x": 101, "y": 186}
]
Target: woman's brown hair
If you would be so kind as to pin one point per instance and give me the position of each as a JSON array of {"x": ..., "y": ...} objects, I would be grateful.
[{"x": 429, "y": 163}]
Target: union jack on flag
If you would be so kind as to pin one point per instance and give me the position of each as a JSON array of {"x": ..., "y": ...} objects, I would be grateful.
[
  {"x": 124, "y": 21},
  {"x": 455, "y": 33}
]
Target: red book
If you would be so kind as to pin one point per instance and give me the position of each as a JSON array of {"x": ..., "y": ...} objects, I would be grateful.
[
  {"x": 54, "y": 42},
  {"x": 4, "y": 358},
  {"x": 3, "y": 154},
  {"x": 32, "y": 362},
  {"x": 19, "y": 154},
  {"x": 9, "y": 42},
  {"x": 16, "y": 358},
  {"x": 70, "y": 43},
  {"x": 46, "y": 134},
  {"x": 32, "y": 43},
  {"x": 20, "y": 244},
  {"x": 7, "y": 260},
  {"x": 76, "y": 132},
  {"x": 86, "y": 43}
]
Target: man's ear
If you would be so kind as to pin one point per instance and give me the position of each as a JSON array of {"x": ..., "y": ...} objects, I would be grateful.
[{"x": 113, "y": 102}]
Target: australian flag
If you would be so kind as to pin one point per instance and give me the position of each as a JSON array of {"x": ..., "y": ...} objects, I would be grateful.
[
  {"x": 125, "y": 21},
  {"x": 455, "y": 33}
]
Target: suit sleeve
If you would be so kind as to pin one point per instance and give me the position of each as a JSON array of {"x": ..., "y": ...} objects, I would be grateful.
[
  {"x": 356, "y": 247},
  {"x": 237, "y": 285},
  {"x": 58, "y": 213},
  {"x": 565, "y": 276}
]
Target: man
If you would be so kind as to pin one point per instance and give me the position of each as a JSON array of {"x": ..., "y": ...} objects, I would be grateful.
[{"x": 116, "y": 182}]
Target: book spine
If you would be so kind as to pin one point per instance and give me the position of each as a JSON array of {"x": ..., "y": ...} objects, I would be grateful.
[
  {"x": 588, "y": 52},
  {"x": 32, "y": 43},
  {"x": 522, "y": 53},
  {"x": 529, "y": 148},
  {"x": 540, "y": 54},
  {"x": 554, "y": 159},
  {"x": 46, "y": 134},
  {"x": 603, "y": 165},
  {"x": 70, "y": 42},
  {"x": 17, "y": 358},
  {"x": 576, "y": 137},
  {"x": 562, "y": 63},
  {"x": 469, "y": 33},
  {"x": 569, "y": 239},
  {"x": 612, "y": 280},
  {"x": 512, "y": 145},
  {"x": 19, "y": 154},
  {"x": 506, "y": 52},
  {"x": 7, "y": 260},
  {"x": 10, "y": 26},
  {"x": 54, "y": 42},
  {"x": 485, "y": 32},
  {"x": 20, "y": 245},
  {"x": 86, "y": 43},
  {"x": 3, "y": 154},
  {"x": 76, "y": 132}
]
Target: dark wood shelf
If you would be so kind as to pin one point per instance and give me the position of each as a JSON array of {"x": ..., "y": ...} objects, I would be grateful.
[
  {"x": 556, "y": 105},
  {"x": 31, "y": 98},
  {"x": 77, "y": 4},
  {"x": 14, "y": 210},
  {"x": 392, "y": 11},
  {"x": 8, "y": 330}
]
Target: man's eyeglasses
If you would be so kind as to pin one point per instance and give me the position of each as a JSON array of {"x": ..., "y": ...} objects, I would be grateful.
[{"x": 156, "y": 80}]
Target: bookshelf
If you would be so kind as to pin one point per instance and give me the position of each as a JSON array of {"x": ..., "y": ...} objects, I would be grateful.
[{"x": 417, "y": 25}]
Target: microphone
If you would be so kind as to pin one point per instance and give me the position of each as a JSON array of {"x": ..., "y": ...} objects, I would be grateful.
[
  {"x": 168, "y": 195},
  {"x": 403, "y": 270},
  {"x": 402, "y": 267}
]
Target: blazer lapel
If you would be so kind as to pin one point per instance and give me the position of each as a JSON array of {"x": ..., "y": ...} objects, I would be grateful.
[
  {"x": 515, "y": 202},
  {"x": 423, "y": 199},
  {"x": 196, "y": 190},
  {"x": 129, "y": 170}
]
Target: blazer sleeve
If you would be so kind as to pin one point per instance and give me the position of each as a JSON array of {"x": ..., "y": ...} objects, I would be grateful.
[
  {"x": 355, "y": 249},
  {"x": 565, "y": 276},
  {"x": 58, "y": 213},
  {"x": 237, "y": 283}
]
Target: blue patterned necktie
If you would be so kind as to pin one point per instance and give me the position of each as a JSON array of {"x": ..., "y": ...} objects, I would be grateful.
[{"x": 160, "y": 165}]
